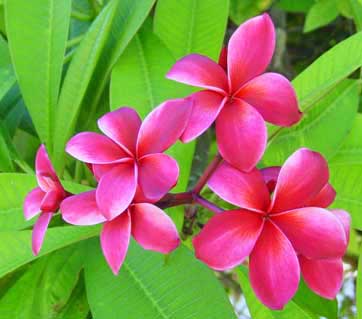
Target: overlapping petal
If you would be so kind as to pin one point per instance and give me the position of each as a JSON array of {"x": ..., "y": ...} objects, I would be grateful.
[
  {"x": 270, "y": 175},
  {"x": 153, "y": 229},
  {"x": 32, "y": 203},
  {"x": 39, "y": 231},
  {"x": 274, "y": 268},
  {"x": 324, "y": 198},
  {"x": 228, "y": 238},
  {"x": 241, "y": 135},
  {"x": 51, "y": 201},
  {"x": 345, "y": 220},
  {"x": 201, "y": 71},
  {"x": 246, "y": 190}
]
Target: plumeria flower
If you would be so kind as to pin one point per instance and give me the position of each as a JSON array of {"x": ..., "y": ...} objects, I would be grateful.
[
  {"x": 323, "y": 276},
  {"x": 129, "y": 158},
  {"x": 151, "y": 227},
  {"x": 241, "y": 97},
  {"x": 44, "y": 199},
  {"x": 272, "y": 231}
]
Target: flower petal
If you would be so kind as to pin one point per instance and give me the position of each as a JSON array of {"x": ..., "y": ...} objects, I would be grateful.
[
  {"x": 297, "y": 185},
  {"x": 157, "y": 174},
  {"x": 94, "y": 148},
  {"x": 314, "y": 232},
  {"x": 246, "y": 190},
  {"x": 82, "y": 209},
  {"x": 274, "y": 268},
  {"x": 51, "y": 201},
  {"x": 223, "y": 58},
  {"x": 163, "y": 126},
  {"x": 274, "y": 98},
  {"x": 115, "y": 237},
  {"x": 250, "y": 50},
  {"x": 324, "y": 198},
  {"x": 228, "y": 238},
  {"x": 201, "y": 71},
  {"x": 116, "y": 190},
  {"x": 345, "y": 220},
  {"x": 205, "y": 109},
  {"x": 153, "y": 229},
  {"x": 39, "y": 230},
  {"x": 32, "y": 203},
  {"x": 122, "y": 126},
  {"x": 241, "y": 135},
  {"x": 323, "y": 276},
  {"x": 270, "y": 176}
]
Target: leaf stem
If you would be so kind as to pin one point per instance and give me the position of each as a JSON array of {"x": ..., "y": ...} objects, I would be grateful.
[{"x": 81, "y": 16}]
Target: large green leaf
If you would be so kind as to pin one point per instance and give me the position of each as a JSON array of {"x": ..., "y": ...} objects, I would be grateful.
[
  {"x": 246, "y": 9},
  {"x": 320, "y": 14},
  {"x": 92, "y": 63},
  {"x": 359, "y": 288},
  {"x": 7, "y": 76},
  {"x": 192, "y": 26},
  {"x": 37, "y": 33},
  {"x": 150, "y": 286},
  {"x": 6, "y": 164}
]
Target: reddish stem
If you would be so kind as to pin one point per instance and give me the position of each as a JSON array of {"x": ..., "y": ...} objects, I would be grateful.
[{"x": 208, "y": 205}]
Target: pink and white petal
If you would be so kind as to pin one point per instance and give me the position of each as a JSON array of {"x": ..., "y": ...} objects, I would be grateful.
[
  {"x": 241, "y": 135},
  {"x": 82, "y": 209},
  {"x": 94, "y": 148},
  {"x": 323, "y": 276},
  {"x": 122, "y": 126},
  {"x": 228, "y": 238},
  {"x": 115, "y": 237},
  {"x": 314, "y": 232},
  {"x": 163, "y": 126},
  {"x": 270, "y": 176},
  {"x": 324, "y": 198},
  {"x": 32, "y": 203},
  {"x": 157, "y": 174},
  {"x": 297, "y": 185},
  {"x": 153, "y": 229},
  {"x": 246, "y": 190},
  {"x": 99, "y": 170},
  {"x": 274, "y": 268},
  {"x": 274, "y": 98},
  {"x": 250, "y": 50},
  {"x": 206, "y": 107},
  {"x": 345, "y": 220},
  {"x": 39, "y": 231},
  {"x": 201, "y": 71},
  {"x": 116, "y": 190}
]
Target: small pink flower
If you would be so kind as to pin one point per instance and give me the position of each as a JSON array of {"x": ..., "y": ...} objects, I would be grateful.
[
  {"x": 237, "y": 95},
  {"x": 275, "y": 231},
  {"x": 44, "y": 199},
  {"x": 129, "y": 158},
  {"x": 151, "y": 227}
]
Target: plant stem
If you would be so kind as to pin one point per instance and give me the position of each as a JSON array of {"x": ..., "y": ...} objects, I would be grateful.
[
  {"x": 208, "y": 205},
  {"x": 81, "y": 16}
]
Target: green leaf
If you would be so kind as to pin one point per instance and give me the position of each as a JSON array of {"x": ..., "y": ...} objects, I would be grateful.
[
  {"x": 192, "y": 26},
  {"x": 320, "y": 14},
  {"x": 359, "y": 288},
  {"x": 5, "y": 153},
  {"x": 246, "y": 9},
  {"x": 346, "y": 173},
  {"x": 92, "y": 63},
  {"x": 295, "y": 5},
  {"x": 37, "y": 33},
  {"x": 322, "y": 128},
  {"x": 150, "y": 286},
  {"x": 7, "y": 76}
]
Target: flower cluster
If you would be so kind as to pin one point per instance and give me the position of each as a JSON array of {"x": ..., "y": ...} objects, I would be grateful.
[{"x": 280, "y": 221}]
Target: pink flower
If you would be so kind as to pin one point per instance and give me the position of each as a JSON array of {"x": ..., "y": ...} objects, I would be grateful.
[
  {"x": 149, "y": 225},
  {"x": 275, "y": 231},
  {"x": 44, "y": 199},
  {"x": 241, "y": 98},
  {"x": 129, "y": 158}
]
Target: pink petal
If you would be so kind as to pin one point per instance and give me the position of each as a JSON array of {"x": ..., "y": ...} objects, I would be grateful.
[
  {"x": 158, "y": 173},
  {"x": 99, "y": 170},
  {"x": 115, "y": 238},
  {"x": 345, "y": 220},
  {"x": 274, "y": 268},
  {"x": 323, "y": 276},
  {"x": 274, "y": 98},
  {"x": 270, "y": 176},
  {"x": 205, "y": 109},
  {"x": 228, "y": 238},
  {"x": 82, "y": 209},
  {"x": 51, "y": 201},
  {"x": 122, "y": 126},
  {"x": 241, "y": 135},
  {"x": 116, "y": 190},
  {"x": 314, "y": 232},
  {"x": 301, "y": 178},
  {"x": 223, "y": 58},
  {"x": 163, "y": 126},
  {"x": 250, "y": 50},
  {"x": 94, "y": 148},
  {"x": 39, "y": 230},
  {"x": 201, "y": 71},
  {"x": 32, "y": 203},
  {"x": 246, "y": 190},
  {"x": 324, "y": 198},
  {"x": 153, "y": 229}
]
